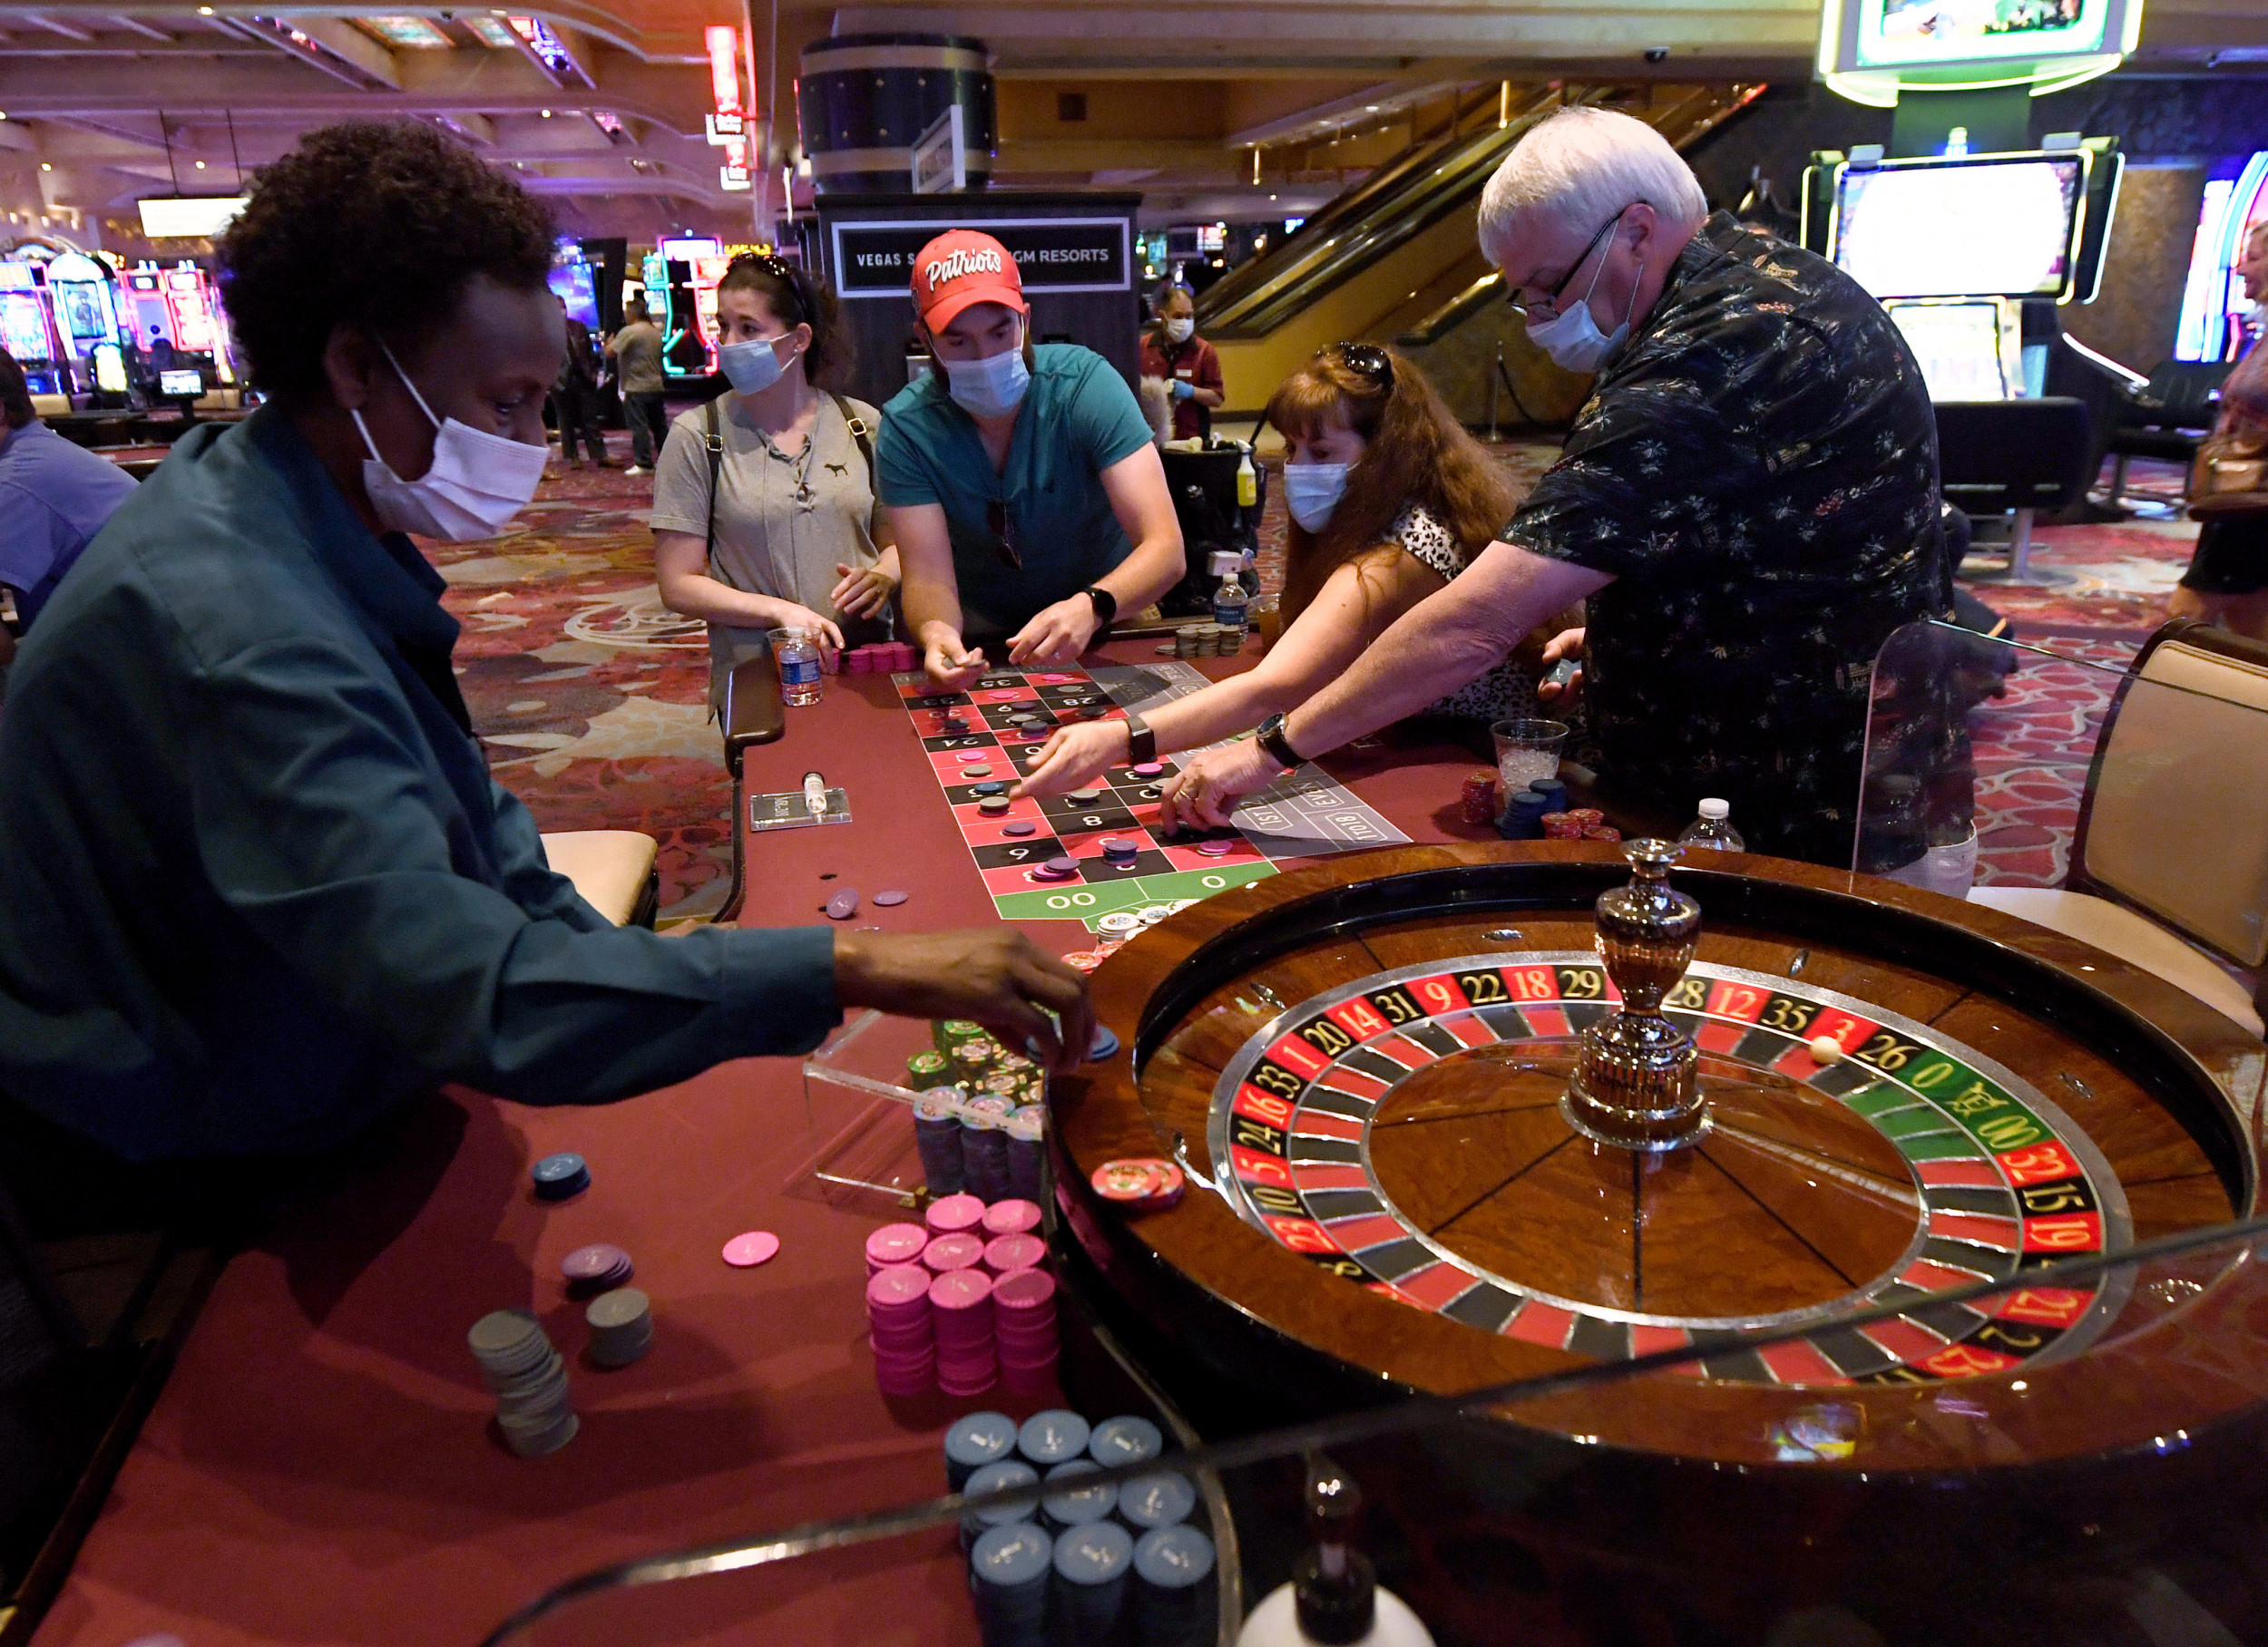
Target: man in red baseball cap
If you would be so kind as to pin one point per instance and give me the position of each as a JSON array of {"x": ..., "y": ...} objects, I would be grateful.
[{"x": 1023, "y": 488}]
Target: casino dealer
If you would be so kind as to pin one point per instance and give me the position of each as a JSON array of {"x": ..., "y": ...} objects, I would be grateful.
[
  {"x": 1748, "y": 501},
  {"x": 257, "y": 886},
  {"x": 1027, "y": 502}
]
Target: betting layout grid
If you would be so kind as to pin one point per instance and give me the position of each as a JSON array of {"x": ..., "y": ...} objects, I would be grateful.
[
  {"x": 2005, "y": 1181},
  {"x": 1303, "y": 814}
]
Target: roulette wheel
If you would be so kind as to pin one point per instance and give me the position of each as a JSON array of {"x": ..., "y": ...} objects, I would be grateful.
[{"x": 1447, "y": 1124}]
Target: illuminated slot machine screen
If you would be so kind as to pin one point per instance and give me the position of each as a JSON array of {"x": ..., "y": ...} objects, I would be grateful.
[
  {"x": 571, "y": 279},
  {"x": 1963, "y": 348},
  {"x": 189, "y": 297},
  {"x": 182, "y": 384},
  {"x": 23, "y": 329},
  {"x": 2001, "y": 226}
]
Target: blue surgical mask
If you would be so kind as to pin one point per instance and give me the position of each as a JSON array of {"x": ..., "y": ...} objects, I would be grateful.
[
  {"x": 1573, "y": 340},
  {"x": 992, "y": 387},
  {"x": 1312, "y": 492},
  {"x": 752, "y": 366}
]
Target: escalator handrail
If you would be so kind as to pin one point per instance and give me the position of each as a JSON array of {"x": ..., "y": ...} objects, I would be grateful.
[{"x": 1453, "y": 180}]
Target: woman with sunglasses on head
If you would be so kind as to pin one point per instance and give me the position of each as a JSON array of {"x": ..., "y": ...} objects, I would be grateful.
[
  {"x": 1021, "y": 482},
  {"x": 764, "y": 512},
  {"x": 1389, "y": 499}
]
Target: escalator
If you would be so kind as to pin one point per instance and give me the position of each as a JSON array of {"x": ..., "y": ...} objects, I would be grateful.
[{"x": 1395, "y": 255}]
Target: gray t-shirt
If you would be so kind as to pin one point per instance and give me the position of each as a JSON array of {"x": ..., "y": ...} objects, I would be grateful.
[
  {"x": 783, "y": 523},
  {"x": 637, "y": 347}
]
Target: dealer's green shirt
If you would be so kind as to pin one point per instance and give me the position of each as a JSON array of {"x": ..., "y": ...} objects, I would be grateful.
[
  {"x": 256, "y": 883},
  {"x": 1077, "y": 419}
]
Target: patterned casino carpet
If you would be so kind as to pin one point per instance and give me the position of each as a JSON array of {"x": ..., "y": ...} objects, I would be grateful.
[{"x": 590, "y": 696}]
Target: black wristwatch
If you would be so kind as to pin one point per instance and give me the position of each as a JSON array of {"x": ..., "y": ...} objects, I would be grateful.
[
  {"x": 1275, "y": 744},
  {"x": 1141, "y": 742},
  {"x": 1106, "y": 605}
]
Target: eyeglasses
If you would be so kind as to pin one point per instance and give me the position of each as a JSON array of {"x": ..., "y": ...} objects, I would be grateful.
[
  {"x": 1551, "y": 305},
  {"x": 1365, "y": 360}
]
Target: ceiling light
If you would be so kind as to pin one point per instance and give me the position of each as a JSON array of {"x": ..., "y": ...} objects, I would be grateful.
[
  {"x": 546, "y": 113},
  {"x": 47, "y": 165},
  {"x": 204, "y": 11},
  {"x": 3, "y": 114},
  {"x": 1369, "y": 108},
  {"x": 200, "y": 165}
]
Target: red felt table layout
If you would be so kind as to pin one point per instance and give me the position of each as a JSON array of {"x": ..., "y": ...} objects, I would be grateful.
[{"x": 320, "y": 1467}]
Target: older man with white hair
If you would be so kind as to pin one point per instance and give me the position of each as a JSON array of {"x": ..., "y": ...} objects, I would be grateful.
[{"x": 1748, "y": 500}]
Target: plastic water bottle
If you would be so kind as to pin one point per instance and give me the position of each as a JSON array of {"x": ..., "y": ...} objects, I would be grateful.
[
  {"x": 798, "y": 652},
  {"x": 1231, "y": 602},
  {"x": 1711, "y": 829}
]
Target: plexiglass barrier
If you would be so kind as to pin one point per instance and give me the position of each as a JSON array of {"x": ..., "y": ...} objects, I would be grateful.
[{"x": 2105, "y": 1490}]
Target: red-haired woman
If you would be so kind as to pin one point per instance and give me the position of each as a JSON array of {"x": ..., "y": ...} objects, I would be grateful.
[{"x": 1389, "y": 499}]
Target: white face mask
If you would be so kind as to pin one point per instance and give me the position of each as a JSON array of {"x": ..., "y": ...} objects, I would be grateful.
[
  {"x": 477, "y": 482},
  {"x": 1312, "y": 492},
  {"x": 1181, "y": 330},
  {"x": 992, "y": 387},
  {"x": 752, "y": 366},
  {"x": 1573, "y": 340}
]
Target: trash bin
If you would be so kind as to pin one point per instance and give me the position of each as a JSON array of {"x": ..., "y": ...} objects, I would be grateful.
[{"x": 1203, "y": 485}]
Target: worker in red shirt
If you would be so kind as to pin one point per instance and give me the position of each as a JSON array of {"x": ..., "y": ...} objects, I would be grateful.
[{"x": 1172, "y": 350}]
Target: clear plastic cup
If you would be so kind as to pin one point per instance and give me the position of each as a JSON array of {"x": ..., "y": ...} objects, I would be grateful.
[
  {"x": 1527, "y": 752},
  {"x": 796, "y": 652}
]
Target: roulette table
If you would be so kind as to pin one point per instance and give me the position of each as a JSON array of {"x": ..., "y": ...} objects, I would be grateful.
[{"x": 1362, "y": 1066}]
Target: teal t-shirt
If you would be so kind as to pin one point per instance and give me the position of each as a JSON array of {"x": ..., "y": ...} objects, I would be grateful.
[{"x": 1078, "y": 418}]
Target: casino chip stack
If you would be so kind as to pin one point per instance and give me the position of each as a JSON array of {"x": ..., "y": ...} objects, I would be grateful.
[
  {"x": 529, "y": 1381},
  {"x": 1072, "y": 1503},
  {"x": 1163, "y": 1500},
  {"x": 899, "y": 1327},
  {"x": 1478, "y": 804},
  {"x": 1026, "y": 1152},
  {"x": 1024, "y": 1328},
  {"x": 1054, "y": 1437},
  {"x": 622, "y": 1327},
  {"x": 896, "y": 1243},
  {"x": 984, "y": 1146},
  {"x": 961, "y": 1312},
  {"x": 592, "y": 1270},
  {"x": 1176, "y": 1601},
  {"x": 1004, "y": 1253},
  {"x": 994, "y": 1478},
  {"x": 1091, "y": 1565},
  {"x": 954, "y": 1215},
  {"x": 958, "y": 1250},
  {"x": 1139, "y": 1184},
  {"x": 1009, "y": 1576},
  {"x": 976, "y": 1440},
  {"x": 1015, "y": 1216},
  {"x": 1126, "y": 1440},
  {"x": 937, "y": 1136},
  {"x": 558, "y": 1177}
]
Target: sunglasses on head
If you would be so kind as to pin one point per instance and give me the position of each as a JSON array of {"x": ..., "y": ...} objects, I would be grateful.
[{"x": 1365, "y": 360}]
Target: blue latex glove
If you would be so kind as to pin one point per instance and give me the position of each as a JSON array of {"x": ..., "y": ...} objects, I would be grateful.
[{"x": 1183, "y": 388}]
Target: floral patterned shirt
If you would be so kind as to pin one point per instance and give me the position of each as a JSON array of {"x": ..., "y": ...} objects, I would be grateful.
[{"x": 1757, "y": 469}]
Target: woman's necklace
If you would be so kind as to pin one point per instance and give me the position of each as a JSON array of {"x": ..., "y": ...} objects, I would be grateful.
[{"x": 799, "y": 464}]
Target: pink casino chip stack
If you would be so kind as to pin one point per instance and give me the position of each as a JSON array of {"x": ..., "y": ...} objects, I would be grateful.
[
  {"x": 968, "y": 1355},
  {"x": 903, "y": 1333},
  {"x": 1024, "y": 1250},
  {"x": 896, "y": 1243},
  {"x": 1012, "y": 1217},
  {"x": 950, "y": 1214},
  {"x": 1023, "y": 1314},
  {"x": 963, "y": 1250}
]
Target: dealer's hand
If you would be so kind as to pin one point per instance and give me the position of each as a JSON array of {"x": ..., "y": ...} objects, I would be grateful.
[
  {"x": 1566, "y": 644},
  {"x": 994, "y": 977},
  {"x": 1056, "y": 634},
  {"x": 1083, "y": 750},
  {"x": 952, "y": 667},
  {"x": 1203, "y": 794},
  {"x": 865, "y": 592}
]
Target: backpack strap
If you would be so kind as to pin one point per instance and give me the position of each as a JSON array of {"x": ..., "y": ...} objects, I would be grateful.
[
  {"x": 714, "y": 439},
  {"x": 859, "y": 432}
]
